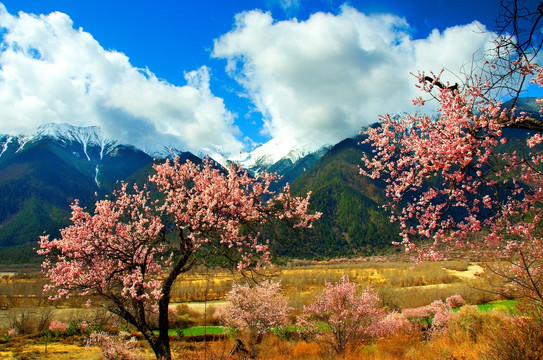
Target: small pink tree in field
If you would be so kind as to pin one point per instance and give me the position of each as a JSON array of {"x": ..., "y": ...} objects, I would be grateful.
[
  {"x": 116, "y": 347},
  {"x": 454, "y": 301},
  {"x": 256, "y": 309},
  {"x": 464, "y": 175},
  {"x": 58, "y": 326},
  {"x": 348, "y": 318},
  {"x": 435, "y": 315},
  {"x": 391, "y": 324},
  {"x": 131, "y": 249}
]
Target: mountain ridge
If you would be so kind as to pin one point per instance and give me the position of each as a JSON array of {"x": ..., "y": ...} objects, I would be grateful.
[{"x": 42, "y": 174}]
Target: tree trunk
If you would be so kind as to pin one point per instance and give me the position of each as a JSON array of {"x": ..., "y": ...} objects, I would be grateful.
[
  {"x": 240, "y": 350},
  {"x": 163, "y": 350},
  {"x": 159, "y": 344},
  {"x": 163, "y": 338},
  {"x": 160, "y": 348}
]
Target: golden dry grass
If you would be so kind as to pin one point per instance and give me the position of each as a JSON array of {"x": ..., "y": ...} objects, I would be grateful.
[
  {"x": 518, "y": 340},
  {"x": 400, "y": 285},
  {"x": 54, "y": 351}
]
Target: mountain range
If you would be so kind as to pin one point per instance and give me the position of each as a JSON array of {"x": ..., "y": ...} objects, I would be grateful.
[{"x": 42, "y": 174}]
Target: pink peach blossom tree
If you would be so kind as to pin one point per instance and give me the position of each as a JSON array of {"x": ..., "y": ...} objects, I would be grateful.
[
  {"x": 124, "y": 251},
  {"x": 459, "y": 174},
  {"x": 434, "y": 316},
  {"x": 348, "y": 318},
  {"x": 256, "y": 309}
]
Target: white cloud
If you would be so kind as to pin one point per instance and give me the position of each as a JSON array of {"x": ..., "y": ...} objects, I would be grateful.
[
  {"x": 317, "y": 81},
  {"x": 51, "y": 72}
]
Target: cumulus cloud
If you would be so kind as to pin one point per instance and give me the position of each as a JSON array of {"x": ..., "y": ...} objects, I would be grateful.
[
  {"x": 53, "y": 73},
  {"x": 317, "y": 81}
]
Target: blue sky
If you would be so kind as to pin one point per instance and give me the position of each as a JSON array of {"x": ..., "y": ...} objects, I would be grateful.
[{"x": 227, "y": 74}]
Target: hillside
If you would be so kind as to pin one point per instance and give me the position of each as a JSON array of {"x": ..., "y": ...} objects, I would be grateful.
[
  {"x": 39, "y": 181},
  {"x": 41, "y": 176},
  {"x": 352, "y": 222}
]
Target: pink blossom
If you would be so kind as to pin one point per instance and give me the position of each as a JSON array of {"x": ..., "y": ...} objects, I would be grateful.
[
  {"x": 454, "y": 301},
  {"x": 120, "y": 347},
  {"x": 450, "y": 177},
  {"x": 435, "y": 315},
  {"x": 392, "y": 323},
  {"x": 256, "y": 309},
  {"x": 84, "y": 326},
  {"x": 131, "y": 248},
  {"x": 58, "y": 326},
  {"x": 349, "y": 318}
]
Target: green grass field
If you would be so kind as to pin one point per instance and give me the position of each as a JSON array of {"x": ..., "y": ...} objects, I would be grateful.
[
  {"x": 199, "y": 330},
  {"x": 501, "y": 305},
  {"x": 507, "y": 306}
]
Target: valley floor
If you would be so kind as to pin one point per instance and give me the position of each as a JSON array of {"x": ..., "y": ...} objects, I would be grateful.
[{"x": 398, "y": 284}]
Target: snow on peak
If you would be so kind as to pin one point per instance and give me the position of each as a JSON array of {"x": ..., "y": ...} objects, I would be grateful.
[
  {"x": 260, "y": 158},
  {"x": 274, "y": 150},
  {"x": 90, "y": 135},
  {"x": 84, "y": 135},
  {"x": 217, "y": 154},
  {"x": 5, "y": 141}
]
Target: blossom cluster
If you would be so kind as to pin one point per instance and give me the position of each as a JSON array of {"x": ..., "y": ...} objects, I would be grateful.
[
  {"x": 349, "y": 317},
  {"x": 115, "y": 248},
  {"x": 435, "y": 315},
  {"x": 454, "y": 175},
  {"x": 115, "y": 347},
  {"x": 211, "y": 206},
  {"x": 256, "y": 309},
  {"x": 58, "y": 326}
]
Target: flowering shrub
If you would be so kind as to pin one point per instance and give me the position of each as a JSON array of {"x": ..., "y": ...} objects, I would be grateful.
[
  {"x": 454, "y": 301},
  {"x": 256, "y": 309},
  {"x": 436, "y": 316},
  {"x": 393, "y": 323},
  {"x": 120, "y": 347},
  {"x": 84, "y": 326},
  {"x": 58, "y": 327},
  {"x": 11, "y": 333},
  {"x": 348, "y": 318}
]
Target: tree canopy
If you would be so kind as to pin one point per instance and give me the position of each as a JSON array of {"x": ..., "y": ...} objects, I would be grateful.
[
  {"x": 124, "y": 251},
  {"x": 460, "y": 176}
]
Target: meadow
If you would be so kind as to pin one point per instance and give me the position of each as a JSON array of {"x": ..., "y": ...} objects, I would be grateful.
[{"x": 26, "y": 314}]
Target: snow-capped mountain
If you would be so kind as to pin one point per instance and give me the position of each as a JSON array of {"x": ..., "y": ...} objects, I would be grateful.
[
  {"x": 278, "y": 155},
  {"x": 83, "y": 142},
  {"x": 88, "y": 143},
  {"x": 86, "y": 136},
  {"x": 85, "y": 145},
  {"x": 42, "y": 174}
]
